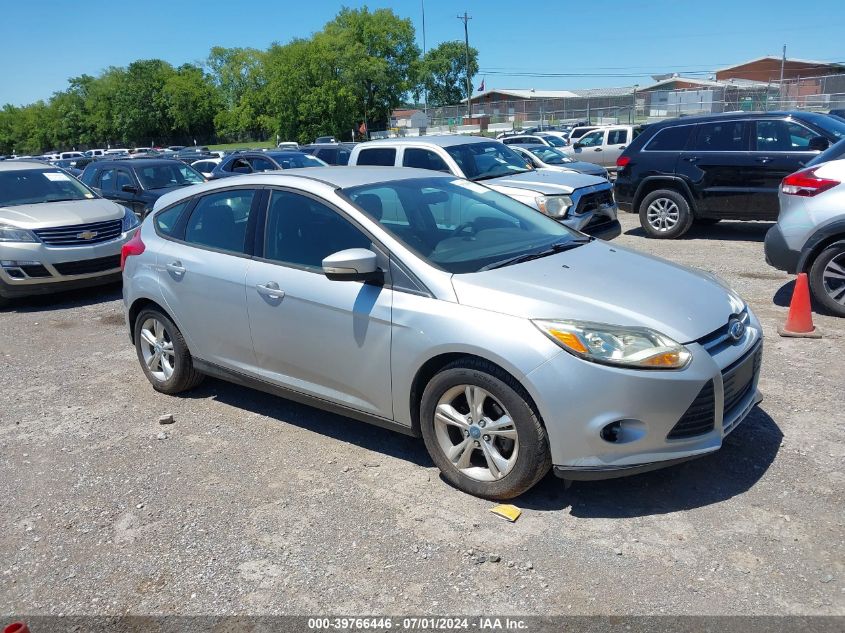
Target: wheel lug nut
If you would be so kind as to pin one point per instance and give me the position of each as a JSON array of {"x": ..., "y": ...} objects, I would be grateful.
[
  {"x": 477, "y": 443},
  {"x": 466, "y": 433},
  {"x": 486, "y": 438}
]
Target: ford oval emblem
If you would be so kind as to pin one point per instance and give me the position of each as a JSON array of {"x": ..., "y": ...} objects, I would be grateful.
[{"x": 736, "y": 329}]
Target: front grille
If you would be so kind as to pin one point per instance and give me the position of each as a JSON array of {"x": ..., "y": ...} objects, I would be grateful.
[
  {"x": 81, "y": 234},
  {"x": 699, "y": 417},
  {"x": 594, "y": 201},
  {"x": 597, "y": 222},
  {"x": 87, "y": 266},
  {"x": 738, "y": 379},
  {"x": 35, "y": 270}
]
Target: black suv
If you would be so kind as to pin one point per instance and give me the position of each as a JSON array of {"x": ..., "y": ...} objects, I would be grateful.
[
  {"x": 708, "y": 168},
  {"x": 138, "y": 182},
  {"x": 249, "y": 162}
]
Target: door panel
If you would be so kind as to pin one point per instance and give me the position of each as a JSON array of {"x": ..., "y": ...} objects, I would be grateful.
[
  {"x": 617, "y": 140},
  {"x": 329, "y": 339}
]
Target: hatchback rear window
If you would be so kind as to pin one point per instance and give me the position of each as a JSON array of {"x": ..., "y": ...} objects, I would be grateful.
[{"x": 670, "y": 139}]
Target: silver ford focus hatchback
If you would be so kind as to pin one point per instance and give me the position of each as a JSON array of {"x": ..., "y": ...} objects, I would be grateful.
[{"x": 443, "y": 309}]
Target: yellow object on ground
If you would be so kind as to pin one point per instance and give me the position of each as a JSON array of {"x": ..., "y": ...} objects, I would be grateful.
[{"x": 507, "y": 511}]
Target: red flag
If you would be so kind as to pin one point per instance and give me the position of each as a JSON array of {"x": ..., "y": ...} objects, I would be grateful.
[
  {"x": 362, "y": 129},
  {"x": 481, "y": 87}
]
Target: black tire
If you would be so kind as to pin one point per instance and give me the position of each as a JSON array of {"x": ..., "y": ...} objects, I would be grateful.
[
  {"x": 533, "y": 458},
  {"x": 817, "y": 284},
  {"x": 670, "y": 198},
  {"x": 4, "y": 302},
  {"x": 184, "y": 376},
  {"x": 707, "y": 221}
]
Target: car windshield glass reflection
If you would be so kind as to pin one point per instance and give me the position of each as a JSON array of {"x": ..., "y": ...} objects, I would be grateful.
[
  {"x": 165, "y": 176},
  {"x": 31, "y": 186},
  {"x": 460, "y": 226},
  {"x": 479, "y": 161}
]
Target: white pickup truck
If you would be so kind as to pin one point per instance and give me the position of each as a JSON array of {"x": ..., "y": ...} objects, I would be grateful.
[
  {"x": 603, "y": 145},
  {"x": 580, "y": 201}
]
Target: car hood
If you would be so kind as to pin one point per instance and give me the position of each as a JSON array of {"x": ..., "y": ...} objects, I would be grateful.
[
  {"x": 545, "y": 181},
  {"x": 46, "y": 214},
  {"x": 605, "y": 283}
]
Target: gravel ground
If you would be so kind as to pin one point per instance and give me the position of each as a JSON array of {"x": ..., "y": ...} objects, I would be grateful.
[{"x": 253, "y": 504}]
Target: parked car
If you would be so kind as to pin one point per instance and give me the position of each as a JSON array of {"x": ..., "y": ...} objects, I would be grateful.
[
  {"x": 580, "y": 201},
  {"x": 288, "y": 145},
  {"x": 834, "y": 152},
  {"x": 545, "y": 157},
  {"x": 540, "y": 138},
  {"x": 257, "y": 161},
  {"x": 330, "y": 153},
  {"x": 725, "y": 166},
  {"x": 91, "y": 153},
  {"x": 604, "y": 145},
  {"x": 838, "y": 113},
  {"x": 206, "y": 166},
  {"x": 139, "y": 182},
  {"x": 810, "y": 233},
  {"x": 190, "y": 155},
  {"x": 325, "y": 139},
  {"x": 429, "y": 304},
  {"x": 55, "y": 233},
  {"x": 69, "y": 165},
  {"x": 578, "y": 131}
]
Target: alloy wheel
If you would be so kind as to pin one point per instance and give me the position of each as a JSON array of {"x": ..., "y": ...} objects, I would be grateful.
[
  {"x": 157, "y": 349},
  {"x": 476, "y": 433},
  {"x": 833, "y": 279},
  {"x": 663, "y": 214}
]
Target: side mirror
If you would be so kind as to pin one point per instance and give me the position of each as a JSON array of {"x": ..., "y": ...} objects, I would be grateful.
[
  {"x": 352, "y": 264},
  {"x": 577, "y": 145},
  {"x": 529, "y": 165},
  {"x": 129, "y": 189},
  {"x": 818, "y": 144}
]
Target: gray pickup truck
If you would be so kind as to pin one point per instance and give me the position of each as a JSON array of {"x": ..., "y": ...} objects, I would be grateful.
[{"x": 579, "y": 201}]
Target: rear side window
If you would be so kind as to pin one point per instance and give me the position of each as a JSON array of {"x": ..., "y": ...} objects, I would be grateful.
[
  {"x": 670, "y": 139},
  {"x": 219, "y": 220},
  {"x": 262, "y": 164},
  {"x": 721, "y": 136},
  {"x": 378, "y": 156},
  {"x": 166, "y": 220},
  {"x": 423, "y": 159},
  {"x": 617, "y": 137}
]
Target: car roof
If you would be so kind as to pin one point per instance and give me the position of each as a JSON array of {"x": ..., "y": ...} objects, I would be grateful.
[
  {"x": 442, "y": 140},
  {"x": 20, "y": 165},
  {"x": 140, "y": 162},
  {"x": 720, "y": 116}
]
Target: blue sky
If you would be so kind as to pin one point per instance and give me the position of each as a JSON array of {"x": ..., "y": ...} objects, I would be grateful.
[{"x": 45, "y": 42}]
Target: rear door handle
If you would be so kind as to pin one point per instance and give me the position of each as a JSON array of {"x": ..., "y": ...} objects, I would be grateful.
[
  {"x": 176, "y": 267},
  {"x": 270, "y": 289},
  {"x": 764, "y": 160},
  {"x": 691, "y": 159}
]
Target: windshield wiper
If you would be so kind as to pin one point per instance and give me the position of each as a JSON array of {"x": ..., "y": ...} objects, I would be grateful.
[
  {"x": 558, "y": 247},
  {"x": 63, "y": 199},
  {"x": 487, "y": 176}
]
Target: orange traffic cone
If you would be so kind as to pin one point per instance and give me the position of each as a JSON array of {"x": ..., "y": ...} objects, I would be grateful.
[
  {"x": 799, "y": 322},
  {"x": 16, "y": 627}
]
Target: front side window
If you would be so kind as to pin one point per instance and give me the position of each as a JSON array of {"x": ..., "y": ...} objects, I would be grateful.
[
  {"x": 123, "y": 180},
  {"x": 424, "y": 159},
  {"x": 479, "y": 161},
  {"x": 554, "y": 141},
  {"x": 593, "y": 139},
  {"x": 385, "y": 156},
  {"x": 238, "y": 166},
  {"x": 551, "y": 156},
  {"x": 107, "y": 180},
  {"x": 777, "y": 135},
  {"x": 302, "y": 231},
  {"x": 262, "y": 164},
  {"x": 219, "y": 220},
  {"x": 172, "y": 174},
  {"x": 31, "y": 186},
  {"x": 456, "y": 224},
  {"x": 727, "y": 136}
]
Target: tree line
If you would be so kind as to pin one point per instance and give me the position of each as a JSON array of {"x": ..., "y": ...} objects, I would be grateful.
[{"x": 357, "y": 69}]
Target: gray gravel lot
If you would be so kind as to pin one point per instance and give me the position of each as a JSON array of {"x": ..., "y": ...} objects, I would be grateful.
[{"x": 253, "y": 504}]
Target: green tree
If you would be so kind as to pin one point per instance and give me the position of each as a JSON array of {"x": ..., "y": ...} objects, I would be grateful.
[
  {"x": 192, "y": 101},
  {"x": 443, "y": 72}
]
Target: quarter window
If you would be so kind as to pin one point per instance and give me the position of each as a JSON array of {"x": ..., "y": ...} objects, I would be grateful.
[
  {"x": 302, "y": 231},
  {"x": 166, "y": 220},
  {"x": 378, "y": 156},
  {"x": 219, "y": 220},
  {"x": 721, "y": 136}
]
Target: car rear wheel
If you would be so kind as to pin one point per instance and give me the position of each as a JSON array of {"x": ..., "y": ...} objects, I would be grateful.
[
  {"x": 665, "y": 214},
  {"x": 827, "y": 278},
  {"x": 163, "y": 353},
  {"x": 481, "y": 431}
]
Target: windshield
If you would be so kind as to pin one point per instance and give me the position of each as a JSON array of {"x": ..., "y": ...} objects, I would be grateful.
[
  {"x": 292, "y": 161},
  {"x": 487, "y": 160},
  {"x": 832, "y": 125},
  {"x": 554, "y": 141},
  {"x": 457, "y": 225},
  {"x": 834, "y": 152},
  {"x": 31, "y": 186},
  {"x": 171, "y": 174},
  {"x": 551, "y": 156}
]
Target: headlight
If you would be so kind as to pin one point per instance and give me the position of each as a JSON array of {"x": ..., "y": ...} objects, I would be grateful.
[
  {"x": 554, "y": 206},
  {"x": 130, "y": 220},
  {"x": 637, "y": 347},
  {"x": 14, "y": 234}
]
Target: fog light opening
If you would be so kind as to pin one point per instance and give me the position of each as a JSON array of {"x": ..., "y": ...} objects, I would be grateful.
[
  {"x": 610, "y": 433},
  {"x": 623, "y": 431}
]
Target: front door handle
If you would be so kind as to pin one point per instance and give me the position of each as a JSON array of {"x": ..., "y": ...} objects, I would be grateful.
[
  {"x": 598, "y": 149},
  {"x": 270, "y": 289},
  {"x": 691, "y": 159},
  {"x": 176, "y": 267},
  {"x": 764, "y": 160}
]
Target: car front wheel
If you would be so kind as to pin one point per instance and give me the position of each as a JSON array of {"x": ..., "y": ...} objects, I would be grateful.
[
  {"x": 481, "y": 431},
  {"x": 665, "y": 214},
  {"x": 827, "y": 278},
  {"x": 163, "y": 353}
]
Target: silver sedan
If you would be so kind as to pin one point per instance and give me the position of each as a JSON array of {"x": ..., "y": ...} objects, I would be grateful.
[{"x": 443, "y": 309}]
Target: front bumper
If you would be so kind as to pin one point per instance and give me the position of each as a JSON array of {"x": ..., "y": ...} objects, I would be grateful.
[
  {"x": 778, "y": 253},
  {"x": 578, "y": 399}
]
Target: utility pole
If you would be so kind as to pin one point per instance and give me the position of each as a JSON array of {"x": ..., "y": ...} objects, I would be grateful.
[
  {"x": 780, "y": 87},
  {"x": 425, "y": 90},
  {"x": 466, "y": 20}
]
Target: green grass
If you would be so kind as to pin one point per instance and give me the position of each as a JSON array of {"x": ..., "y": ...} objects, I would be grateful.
[{"x": 243, "y": 145}]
